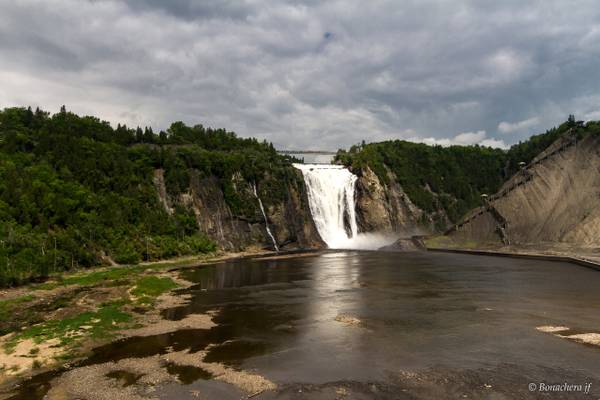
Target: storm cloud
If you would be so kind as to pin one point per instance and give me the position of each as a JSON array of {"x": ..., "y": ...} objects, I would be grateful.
[{"x": 309, "y": 74}]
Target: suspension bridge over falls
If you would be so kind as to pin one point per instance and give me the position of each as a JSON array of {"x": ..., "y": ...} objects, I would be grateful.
[
  {"x": 320, "y": 152},
  {"x": 311, "y": 156}
]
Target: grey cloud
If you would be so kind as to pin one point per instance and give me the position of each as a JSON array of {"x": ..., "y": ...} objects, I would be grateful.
[
  {"x": 190, "y": 9},
  {"x": 305, "y": 72},
  {"x": 510, "y": 127}
]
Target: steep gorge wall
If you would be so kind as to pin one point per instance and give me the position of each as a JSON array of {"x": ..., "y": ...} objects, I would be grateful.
[
  {"x": 289, "y": 220},
  {"x": 386, "y": 208},
  {"x": 556, "y": 199}
]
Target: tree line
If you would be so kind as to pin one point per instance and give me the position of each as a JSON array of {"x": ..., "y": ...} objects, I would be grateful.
[
  {"x": 75, "y": 191},
  {"x": 452, "y": 178}
]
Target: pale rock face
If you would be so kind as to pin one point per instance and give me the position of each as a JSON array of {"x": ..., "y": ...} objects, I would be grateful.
[
  {"x": 161, "y": 190},
  {"x": 560, "y": 204},
  {"x": 385, "y": 208},
  {"x": 372, "y": 203}
]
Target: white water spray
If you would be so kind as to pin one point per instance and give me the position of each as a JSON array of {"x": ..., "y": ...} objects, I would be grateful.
[
  {"x": 262, "y": 209},
  {"x": 332, "y": 205}
]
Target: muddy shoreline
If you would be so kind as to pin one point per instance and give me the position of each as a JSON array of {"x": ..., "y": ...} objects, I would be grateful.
[{"x": 73, "y": 295}]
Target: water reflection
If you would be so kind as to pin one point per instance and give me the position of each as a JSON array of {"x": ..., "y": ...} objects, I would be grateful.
[{"x": 415, "y": 310}]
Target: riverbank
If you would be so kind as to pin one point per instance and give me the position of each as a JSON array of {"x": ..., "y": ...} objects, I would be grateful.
[
  {"x": 169, "y": 263},
  {"x": 552, "y": 252},
  {"x": 52, "y": 324}
]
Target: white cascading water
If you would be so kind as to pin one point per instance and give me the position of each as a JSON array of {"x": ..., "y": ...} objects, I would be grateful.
[
  {"x": 331, "y": 199},
  {"x": 262, "y": 209}
]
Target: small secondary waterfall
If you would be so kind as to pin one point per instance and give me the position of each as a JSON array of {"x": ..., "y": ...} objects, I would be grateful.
[
  {"x": 262, "y": 209},
  {"x": 331, "y": 200}
]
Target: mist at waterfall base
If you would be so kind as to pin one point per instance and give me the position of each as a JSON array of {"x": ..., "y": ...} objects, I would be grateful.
[{"x": 330, "y": 190}]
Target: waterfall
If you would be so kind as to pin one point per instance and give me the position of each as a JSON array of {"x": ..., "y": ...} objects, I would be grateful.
[
  {"x": 331, "y": 200},
  {"x": 330, "y": 190},
  {"x": 262, "y": 209}
]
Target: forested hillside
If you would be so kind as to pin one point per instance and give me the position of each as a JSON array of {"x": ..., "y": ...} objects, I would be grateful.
[
  {"x": 74, "y": 192},
  {"x": 452, "y": 178}
]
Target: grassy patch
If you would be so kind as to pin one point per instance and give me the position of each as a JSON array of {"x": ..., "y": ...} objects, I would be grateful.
[
  {"x": 445, "y": 242},
  {"x": 25, "y": 316},
  {"x": 439, "y": 242},
  {"x": 100, "y": 277},
  {"x": 149, "y": 287},
  {"x": 118, "y": 276},
  {"x": 470, "y": 244},
  {"x": 45, "y": 286},
  {"x": 95, "y": 324},
  {"x": 8, "y": 306},
  {"x": 113, "y": 276}
]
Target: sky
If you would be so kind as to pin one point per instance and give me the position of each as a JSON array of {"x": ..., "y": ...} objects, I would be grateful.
[{"x": 310, "y": 74}]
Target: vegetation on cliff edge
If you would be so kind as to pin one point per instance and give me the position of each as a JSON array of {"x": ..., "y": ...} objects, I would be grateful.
[
  {"x": 75, "y": 191},
  {"x": 452, "y": 178}
]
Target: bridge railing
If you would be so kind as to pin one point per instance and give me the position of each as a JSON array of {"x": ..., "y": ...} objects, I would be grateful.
[{"x": 324, "y": 152}]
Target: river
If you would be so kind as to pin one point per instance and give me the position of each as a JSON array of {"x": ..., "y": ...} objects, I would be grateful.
[{"x": 384, "y": 325}]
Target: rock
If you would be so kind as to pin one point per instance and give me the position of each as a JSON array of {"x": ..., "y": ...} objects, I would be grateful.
[
  {"x": 385, "y": 208},
  {"x": 405, "y": 244},
  {"x": 554, "y": 201},
  {"x": 348, "y": 319}
]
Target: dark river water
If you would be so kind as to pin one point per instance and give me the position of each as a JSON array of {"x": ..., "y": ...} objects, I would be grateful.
[{"x": 422, "y": 325}]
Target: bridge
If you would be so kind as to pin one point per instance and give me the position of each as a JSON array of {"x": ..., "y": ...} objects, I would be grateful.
[{"x": 322, "y": 152}]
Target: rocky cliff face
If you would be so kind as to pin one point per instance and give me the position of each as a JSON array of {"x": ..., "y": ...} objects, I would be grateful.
[
  {"x": 289, "y": 220},
  {"x": 555, "y": 199},
  {"x": 386, "y": 208}
]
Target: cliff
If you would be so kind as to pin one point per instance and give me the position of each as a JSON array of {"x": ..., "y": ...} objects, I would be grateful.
[
  {"x": 385, "y": 207},
  {"x": 443, "y": 182},
  {"x": 555, "y": 199},
  {"x": 288, "y": 219},
  {"x": 404, "y": 185}
]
